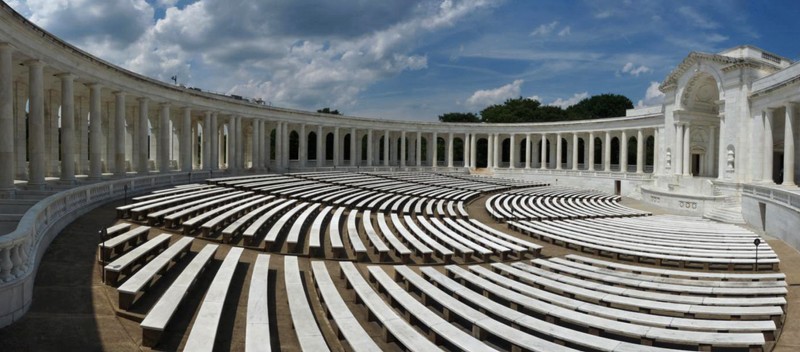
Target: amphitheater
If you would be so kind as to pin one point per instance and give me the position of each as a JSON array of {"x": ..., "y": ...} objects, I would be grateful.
[{"x": 139, "y": 215}]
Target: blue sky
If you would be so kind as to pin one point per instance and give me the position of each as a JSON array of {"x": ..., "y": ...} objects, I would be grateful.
[{"x": 414, "y": 59}]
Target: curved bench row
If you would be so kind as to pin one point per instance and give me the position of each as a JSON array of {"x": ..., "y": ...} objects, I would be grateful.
[{"x": 549, "y": 203}]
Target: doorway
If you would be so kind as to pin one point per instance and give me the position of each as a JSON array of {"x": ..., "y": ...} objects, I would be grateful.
[{"x": 696, "y": 164}]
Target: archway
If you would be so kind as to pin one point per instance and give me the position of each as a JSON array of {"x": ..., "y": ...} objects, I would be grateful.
[
  {"x": 581, "y": 152},
  {"x": 364, "y": 147},
  {"x": 633, "y": 151},
  {"x": 441, "y": 151},
  {"x": 700, "y": 118},
  {"x": 523, "y": 151},
  {"x": 294, "y": 146},
  {"x": 329, "y": 142},
  {"x": 346, "y": 148},
  {"x": 381, "y": 146},
  {"x": 615, "y": 151},
  {"x": 649, "y": 153},
  {"x": 505, "y": 150},
  {"x": 311, "y": 146},
  {"x": 598, "y": 150},
  {"x": 564, "y": 151},
  {"x": 482, "y": 153},
  {"x": 458, "y": 150}
]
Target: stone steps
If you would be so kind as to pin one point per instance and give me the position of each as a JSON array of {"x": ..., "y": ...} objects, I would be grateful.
[{"x": 728, "y": 214}]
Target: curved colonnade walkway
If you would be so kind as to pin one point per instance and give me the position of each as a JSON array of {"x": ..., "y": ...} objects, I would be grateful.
[{"x": 74, "y": 310}]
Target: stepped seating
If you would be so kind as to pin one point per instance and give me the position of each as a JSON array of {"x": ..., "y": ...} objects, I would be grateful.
[
  {"x": 551, "y": 203},
  {"x": 726, "y": 254},
  {"x": 143, "y": 278}
]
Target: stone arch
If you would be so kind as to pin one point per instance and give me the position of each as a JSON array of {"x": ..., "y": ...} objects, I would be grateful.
[
  {"x": 649, "y": 152},
  {"x": 294, "y": 145},
  {"x": 614, "y": 151},
  {"x": 458, "y": 149},
  {"x": 505, "y": 150},
  {"x": 482, "y": 153},
  {"x": 364, "y": 148},
  {"x": 441, "y": 150},
  {"x": 523, "y": 151},
  {"x": 582, "y": 159},
  {"x": 565, "y": 157},
  {"x": 598, "y": 150},
  {"x": 329, "y": 142},
  {"x": 633, "y": 150},
  {"x": 311, "y": 146},
  {"x": 346, "y": 142}
]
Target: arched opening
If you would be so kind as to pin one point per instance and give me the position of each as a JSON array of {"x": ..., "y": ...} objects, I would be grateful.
[
  {"x": 633, "y": 150},
  {"x": 564, "y": 151},
  {"x": 381, "y": 148},
  {"x": 346, "y": 148},
  {"x": 271, "y": 141},
  {"x": 458, "y": 151},
  {"x": 615, "y": 151},
  {"x": 649, "y": 154},
  {"x": 582, "y": 152},
  {"x": 505, "y": 150},
  {"x": 294, "y": 146},
  {"x": 700, "y": 117},
  {"x": 423, "y": 149},
  {"x": 364, "y": 146},
  {"x": 441, "y": 150},
  {"x": 482, "y": 153},
  {"x": 523, "y": 151},
  {"x": 311, "y": 146},
  {"x": 598, "y": 150},
  {"x": 329, "y": 141}
]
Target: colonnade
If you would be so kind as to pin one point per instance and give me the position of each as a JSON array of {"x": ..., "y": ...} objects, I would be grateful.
[
  {"x": 768, "y": 120},
  {"x": 58, "y": 123}
]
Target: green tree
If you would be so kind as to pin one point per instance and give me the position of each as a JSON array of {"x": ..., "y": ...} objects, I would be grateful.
[
  {"x": 328, "y": 111},
  {"x": 513, "y": 110},
  {"x": 459, "y": 117},
  {"x": 600, "y": 106}
]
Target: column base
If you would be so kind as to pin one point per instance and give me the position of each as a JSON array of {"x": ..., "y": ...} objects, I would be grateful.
[
  {"x": 36, "y": 186},
  {"x": 68, "y": 182},
  {"x": 788, "y": 184}
]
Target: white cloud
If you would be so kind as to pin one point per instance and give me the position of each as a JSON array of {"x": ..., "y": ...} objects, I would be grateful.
[
  {"x": 565, "y": 103},
  {"x": 603, "y": 14},
  {"x": 696, "y": 19},
  {"x": 564, "y": 32},
  {"x": 544, "y": 29},
  {"x": 652, "y": 96},
  {"x": 485, "y": 97},
  {"x": 633, "y": 70}
]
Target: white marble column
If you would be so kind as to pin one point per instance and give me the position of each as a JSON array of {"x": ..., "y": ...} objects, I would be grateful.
[
  {"x": 473, "y": 150},
  {"x": 575, "y": 151},
  {"x": 370, "y": 148},
  {"x": 285, "y": 144},
  {"x": 36, "y": 145},
  {"x": 512, "y": 151},
  {"x": 687, "y": 150},
  {"x": 320, "y": 147},
  {"x": 21, "y": 130},
  {"x": 590, "y": 157},
  {"x": 95, "y": 131},
  {"x": 543, "y": 152},
  {"x": 607, "y": 152},
  {"x": 788, "y": 146},
  {"x": 386, "y": 148},
  {"x": 207, "y": 140},
  {"x": 403, "y": 148},
  {"x": 255, "y": 145},
  {"x": 302, "y": 154},
  {"x": 639, "y": 151},
  {"x": 213, "y": 134},
  {"x": 7, "y": 119},
  {"x": 623, "y": 151},
  {"x": 418, "y": 153},
  {"x": 67, "y": 127},
  {"x": 434, "y": 150},
  {"x": 267, "y": 132},
  {"x": 185, "y": 143},
  {"x": 354, "y": 142},
  {"x": 142, "y": 130},
  {"x": 710, "y": 152},
  {"x": 559, "y": 151},
  {"x": 119, "y": 133},
  {"x": 163, "y": 138},
  {"x": 528, "y": 151},
  {"x": 656, "y": 157},
  {"x": 468, "y": 150},
  {"x": 336, "y": 147},
  {"x": 677, "y": 155},
  {"x": 490, "y": 150}
]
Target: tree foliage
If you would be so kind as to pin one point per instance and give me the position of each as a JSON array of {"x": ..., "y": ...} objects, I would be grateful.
[
  {"x": 328, "y": 111},
  {"x": 522, "y": 109},
  {"x": 600, "y": 106},
  {"x": 459, "y": 117}
]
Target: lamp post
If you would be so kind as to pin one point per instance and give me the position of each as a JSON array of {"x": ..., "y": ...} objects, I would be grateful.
[{"x": 757, "y": 242}]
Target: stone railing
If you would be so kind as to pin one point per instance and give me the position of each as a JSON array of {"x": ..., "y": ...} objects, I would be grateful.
[
  {"x": 776, "y": 195},
  {"x": 579, "y": 173},
  {"x": 22, "y": 249}
]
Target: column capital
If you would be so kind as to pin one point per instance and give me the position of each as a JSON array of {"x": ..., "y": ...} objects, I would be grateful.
[
  {"x": 34, "y": 63},
  {"x": 118, "y": 93},
  {"x": 66, "y": 76},
  {"x": 94, "y": 85},
  {"x": 143, "y": 99}
]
